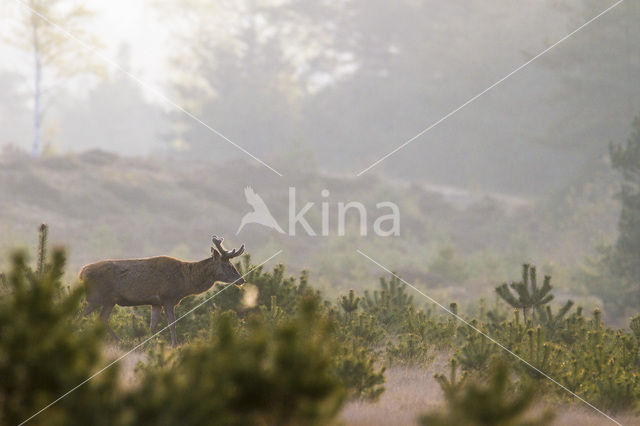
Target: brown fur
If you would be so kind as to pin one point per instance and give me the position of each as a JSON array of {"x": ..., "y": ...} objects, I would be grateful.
[{"x": 161, "y": 282}]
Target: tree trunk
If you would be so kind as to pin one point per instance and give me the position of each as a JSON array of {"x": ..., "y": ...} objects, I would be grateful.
[{"x": 37, "y": 113}]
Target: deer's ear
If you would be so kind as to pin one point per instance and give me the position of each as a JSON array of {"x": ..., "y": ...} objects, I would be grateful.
[{"x": 215, "y": 253}]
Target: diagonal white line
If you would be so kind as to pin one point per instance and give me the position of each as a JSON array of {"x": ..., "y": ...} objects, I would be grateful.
[
  {"x": 490, "y": 87},
  {"x": 459, "y": 318},
  {"x": 153, "y": 89},
  {"x": 146, "y": 340}
]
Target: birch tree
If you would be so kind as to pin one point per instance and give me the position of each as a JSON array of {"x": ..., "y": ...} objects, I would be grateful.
[{"x": 46, "y": 29}]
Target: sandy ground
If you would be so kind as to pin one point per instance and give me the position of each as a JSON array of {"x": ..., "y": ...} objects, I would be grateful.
[{"x": 411, "y": 392}]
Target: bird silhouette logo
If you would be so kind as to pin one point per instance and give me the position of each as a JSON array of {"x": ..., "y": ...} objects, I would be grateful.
[{"x": 260, "y": 214}]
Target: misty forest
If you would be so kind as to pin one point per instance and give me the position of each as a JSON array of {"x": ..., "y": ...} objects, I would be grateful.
[{"x": 297, "y": 212}]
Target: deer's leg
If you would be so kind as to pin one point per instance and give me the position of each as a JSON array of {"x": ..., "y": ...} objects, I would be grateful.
[
  {"x": 171, "y": 318},
  {"x": 155, "y": 316},
  {"x": 90, "y": 308},
  {"x": 104, "y": 316}
]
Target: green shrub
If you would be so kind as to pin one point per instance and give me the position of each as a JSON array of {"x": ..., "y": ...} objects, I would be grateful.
[
  {"x": 389, "y": 304},
  {"x": 357, "y": 371},
  {"x": 282, "y": 375},
  {"x": 362, "y": 330},
  {"x": 540, "y": 354},
  {"x": 452, "y": 385},
  {"x": 496, "y": 403},
  {"x": 476, "y": 352},
  {"x": 408, "y": 350},
  {"x": 43, "y": 355}
]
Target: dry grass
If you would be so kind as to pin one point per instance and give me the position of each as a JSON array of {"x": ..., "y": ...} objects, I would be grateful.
[
  {"x": 585, "y": 416},
  {"x": 127, "y": 365},
  {"x": 411, "y": 392}
]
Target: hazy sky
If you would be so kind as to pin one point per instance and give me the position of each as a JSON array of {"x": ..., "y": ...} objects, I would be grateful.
[
  {"x": 580, "y": 92},
  {"x": 116, "y": 22},
  {"x": 137, "y": 24}
]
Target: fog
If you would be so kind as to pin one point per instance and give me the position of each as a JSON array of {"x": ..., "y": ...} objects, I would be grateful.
[
  {"x": 349, "y": 82},
  {"x": 419, "y": 212},
  {"x": 502, "y": 107}
]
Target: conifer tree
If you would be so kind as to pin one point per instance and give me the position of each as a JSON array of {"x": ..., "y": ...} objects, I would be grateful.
[
  {"x": 349, "y": 303},
  {"x": 43, "y": 355},
  {"x": 528, "y": 296},
  {"x": 623, "y": 259},
  {"x": 493, "y": 403},
  {"x": 281, "y": 375}
]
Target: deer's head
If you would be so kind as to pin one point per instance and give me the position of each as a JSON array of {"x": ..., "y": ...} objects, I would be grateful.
[{"x": 226, "y": 272}]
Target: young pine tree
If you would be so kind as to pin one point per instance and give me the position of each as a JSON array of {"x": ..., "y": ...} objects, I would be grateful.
[
  {"x": 43, "y": 355},
  {"x": 494, "y": 403},
  {"x": 279, "y": 374}
]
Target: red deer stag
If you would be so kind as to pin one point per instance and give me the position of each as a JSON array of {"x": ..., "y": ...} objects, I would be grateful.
[{"x": 161, "y": 282}]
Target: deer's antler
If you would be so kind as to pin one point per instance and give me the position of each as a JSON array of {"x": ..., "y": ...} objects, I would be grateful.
[{"x": 217, "y": 241}]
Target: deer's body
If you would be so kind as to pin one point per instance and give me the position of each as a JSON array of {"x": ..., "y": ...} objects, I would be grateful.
[
  {"x": 161, "y": 282},
  {"x": 150, "y": 281}
]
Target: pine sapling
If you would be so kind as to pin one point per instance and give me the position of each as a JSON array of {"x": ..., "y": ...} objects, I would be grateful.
[{"x": 526, "y": 294}]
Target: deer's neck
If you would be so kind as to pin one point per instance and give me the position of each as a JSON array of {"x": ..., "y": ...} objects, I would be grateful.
[{"x": 203, "y": 275}]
